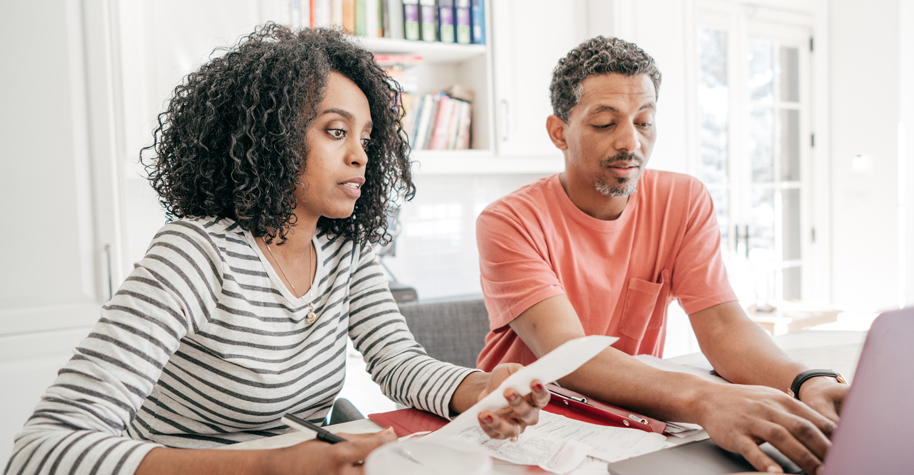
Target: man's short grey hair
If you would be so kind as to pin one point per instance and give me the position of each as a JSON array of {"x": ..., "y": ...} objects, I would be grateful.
[{"x": 597, "y": 56}]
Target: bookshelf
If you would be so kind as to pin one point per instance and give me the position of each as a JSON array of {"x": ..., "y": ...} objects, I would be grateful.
[
  {"x": 444, "y": 65},
  {"x": 432, "y": 52},
  {"x": 472, "y": 66}
]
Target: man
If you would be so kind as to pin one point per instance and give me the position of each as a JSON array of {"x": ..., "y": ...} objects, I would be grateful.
[{"x": 603, "y": 248}]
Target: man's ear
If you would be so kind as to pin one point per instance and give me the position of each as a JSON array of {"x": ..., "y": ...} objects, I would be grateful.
[{"x": 556, "y": 129}]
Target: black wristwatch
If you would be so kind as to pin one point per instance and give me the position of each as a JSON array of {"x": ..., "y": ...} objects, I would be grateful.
[{"x": 801, "y": 378}]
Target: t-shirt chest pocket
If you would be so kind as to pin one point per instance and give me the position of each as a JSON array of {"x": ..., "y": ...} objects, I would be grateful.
[{"x": 638, "y": 312}]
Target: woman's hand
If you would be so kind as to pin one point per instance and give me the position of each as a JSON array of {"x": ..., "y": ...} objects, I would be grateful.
[
  {"x": 520, "y": 412},
  {"x": 318, "y": 457}
]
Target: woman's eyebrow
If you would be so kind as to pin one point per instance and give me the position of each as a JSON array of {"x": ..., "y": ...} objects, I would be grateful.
[{"x": 346, "y": 114}]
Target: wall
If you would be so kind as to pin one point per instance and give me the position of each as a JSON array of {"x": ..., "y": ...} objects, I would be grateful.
[
  {"x": 906, "y": 60},
  {"x": 865, "y": 85}
]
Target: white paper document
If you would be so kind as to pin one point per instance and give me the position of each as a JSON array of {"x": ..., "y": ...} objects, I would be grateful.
[
  {"x": 552, "y": 366},
  {"x": 559, "y": 444},
  {"x": 532, "y": 448},
  {"x": 606, "y": 443}
]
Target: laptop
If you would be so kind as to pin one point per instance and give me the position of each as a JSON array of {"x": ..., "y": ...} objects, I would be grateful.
[{"x": 873, "y": 436}]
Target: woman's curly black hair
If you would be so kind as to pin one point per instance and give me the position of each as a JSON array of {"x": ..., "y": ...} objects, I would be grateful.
[{"x": 232, "y": 142}]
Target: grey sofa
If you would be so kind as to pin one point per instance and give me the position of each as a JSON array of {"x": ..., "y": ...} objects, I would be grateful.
[{"x": 450, "y": 330}]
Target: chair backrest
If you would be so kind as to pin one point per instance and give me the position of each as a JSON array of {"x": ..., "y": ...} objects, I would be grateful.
[{"x": 450, "y": 330}]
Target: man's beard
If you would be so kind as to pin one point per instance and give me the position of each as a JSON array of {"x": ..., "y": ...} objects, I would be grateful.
[{"x": 619, "y": 187}]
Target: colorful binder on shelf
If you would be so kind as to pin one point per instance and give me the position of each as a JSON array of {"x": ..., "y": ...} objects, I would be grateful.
[
  {"x": 360, "y": 18},
  {"x": 462, "y": 28},
  {"x": 348, "y": 16},
  {"x": 446, "y": 21},
  {"x": 428, "y": 17},
  {"x": 393, "y": 19},
  {"x": 411, "y": 26},
  {"x": 478, "y": 21}
]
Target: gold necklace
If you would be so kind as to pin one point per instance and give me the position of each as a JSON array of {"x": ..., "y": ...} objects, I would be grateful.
[{"x": 312, "y": 317}]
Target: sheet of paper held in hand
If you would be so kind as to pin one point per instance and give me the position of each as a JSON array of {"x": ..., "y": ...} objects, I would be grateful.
[{"x": 549, "y": 449}]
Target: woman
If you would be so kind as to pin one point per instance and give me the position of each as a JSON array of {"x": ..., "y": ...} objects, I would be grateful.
[{"x": 278, "y": 161}]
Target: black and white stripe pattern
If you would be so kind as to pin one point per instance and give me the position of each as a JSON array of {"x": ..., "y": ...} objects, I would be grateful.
[{"x": 203, "y": 346}]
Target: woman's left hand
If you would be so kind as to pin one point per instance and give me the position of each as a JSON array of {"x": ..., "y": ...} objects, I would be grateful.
[{"x": 521, "y": 411}]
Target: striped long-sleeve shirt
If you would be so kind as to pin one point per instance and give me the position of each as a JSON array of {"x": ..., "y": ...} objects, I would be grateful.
[{"x": 203, "y": 345}]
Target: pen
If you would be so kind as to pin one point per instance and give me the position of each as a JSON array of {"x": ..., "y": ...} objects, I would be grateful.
[
  {"x": 582, "y": 400},
  {"x": 301, "y": 424}
]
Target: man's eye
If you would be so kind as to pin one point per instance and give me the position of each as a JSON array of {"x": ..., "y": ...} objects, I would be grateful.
[
  {"x": 604, "y": 126},
  {"x": 644, "y": 124},
  {"x": 337, "y": 133}
]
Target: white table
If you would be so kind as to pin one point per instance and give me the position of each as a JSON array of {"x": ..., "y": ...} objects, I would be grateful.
[{"x": 838, "y": 350}]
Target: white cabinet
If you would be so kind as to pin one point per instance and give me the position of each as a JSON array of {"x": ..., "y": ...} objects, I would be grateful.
[
  {"x": 529, "y": 37},
  {"x": 60, "y": 234},
  {"x": 56, "y": 183}
]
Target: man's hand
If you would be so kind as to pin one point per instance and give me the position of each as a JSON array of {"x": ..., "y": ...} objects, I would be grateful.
[
  {"x": 739, "y": 418},
  {"x": 520, "y": 412},
  {"x": 825, "y": 395}
]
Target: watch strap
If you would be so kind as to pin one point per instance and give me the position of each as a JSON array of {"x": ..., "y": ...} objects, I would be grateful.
[{"x": 801, "y": 378}]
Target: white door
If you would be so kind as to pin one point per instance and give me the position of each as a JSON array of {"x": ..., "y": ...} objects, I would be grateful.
[
  {"x": 59, "y": 190},
  {"x": 756, "y": 146}
]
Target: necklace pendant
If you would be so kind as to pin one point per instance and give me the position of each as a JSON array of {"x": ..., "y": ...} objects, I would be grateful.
[{"x": 312, "y": 317}]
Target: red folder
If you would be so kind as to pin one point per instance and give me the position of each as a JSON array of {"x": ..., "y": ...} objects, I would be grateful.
[
  {"x": 564, "y": 402},
  {"x": 408, "y": 421},
  {"x": 576, "y": 406}
]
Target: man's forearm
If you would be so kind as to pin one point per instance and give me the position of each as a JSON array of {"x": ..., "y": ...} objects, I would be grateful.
[
  {"x": 740, "y": 351},
  {"x": 617, "y": 378}
]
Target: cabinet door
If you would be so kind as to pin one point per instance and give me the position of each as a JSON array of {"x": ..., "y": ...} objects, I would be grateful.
[
  {"x": 528, "y": 39},
  {"x": 58, "y": 184},
  {"x": 28, "y": 366}
]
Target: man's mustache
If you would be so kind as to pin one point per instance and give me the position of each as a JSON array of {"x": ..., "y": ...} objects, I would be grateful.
[{"x": 623, "y": 157}]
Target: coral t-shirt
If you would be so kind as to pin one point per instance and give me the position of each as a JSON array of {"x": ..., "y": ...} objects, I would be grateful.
[{"x": 620, "y": 276}]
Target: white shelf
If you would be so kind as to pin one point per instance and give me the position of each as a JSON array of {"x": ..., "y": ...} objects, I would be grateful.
[
  {"x": 430, "y": 51},
  {"x": 481, "y": 162}
]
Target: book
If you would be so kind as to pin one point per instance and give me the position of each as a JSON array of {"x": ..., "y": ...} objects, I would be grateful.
[
  {"x": 433, "y": 114},
  {"x": 442, "y": 128},
  {"x": 393, "y": 19},
  {"x": 321, "y": 13},
  {"x": 428, "y": 19},
  {"x": 446, "y": 21},
  {"x": 360, "y": 17},
  {"x": 411, "y": 20},
  {"x": 398, "y": 68},
  {"x": 422, "y": 122},
  {"x": 408, "y": 108},
  {"x": 348, "y": 16},
  {"x": 478, "y": 21},
  {"x": 336, "y": 14},
  {"x": 462, "y": 30},
  {"x": 301, "y": 13},
  {"x": 464, "y": 131},
  {"x": 456, "y": 122},
  {"x": 373, "y": 18}
]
